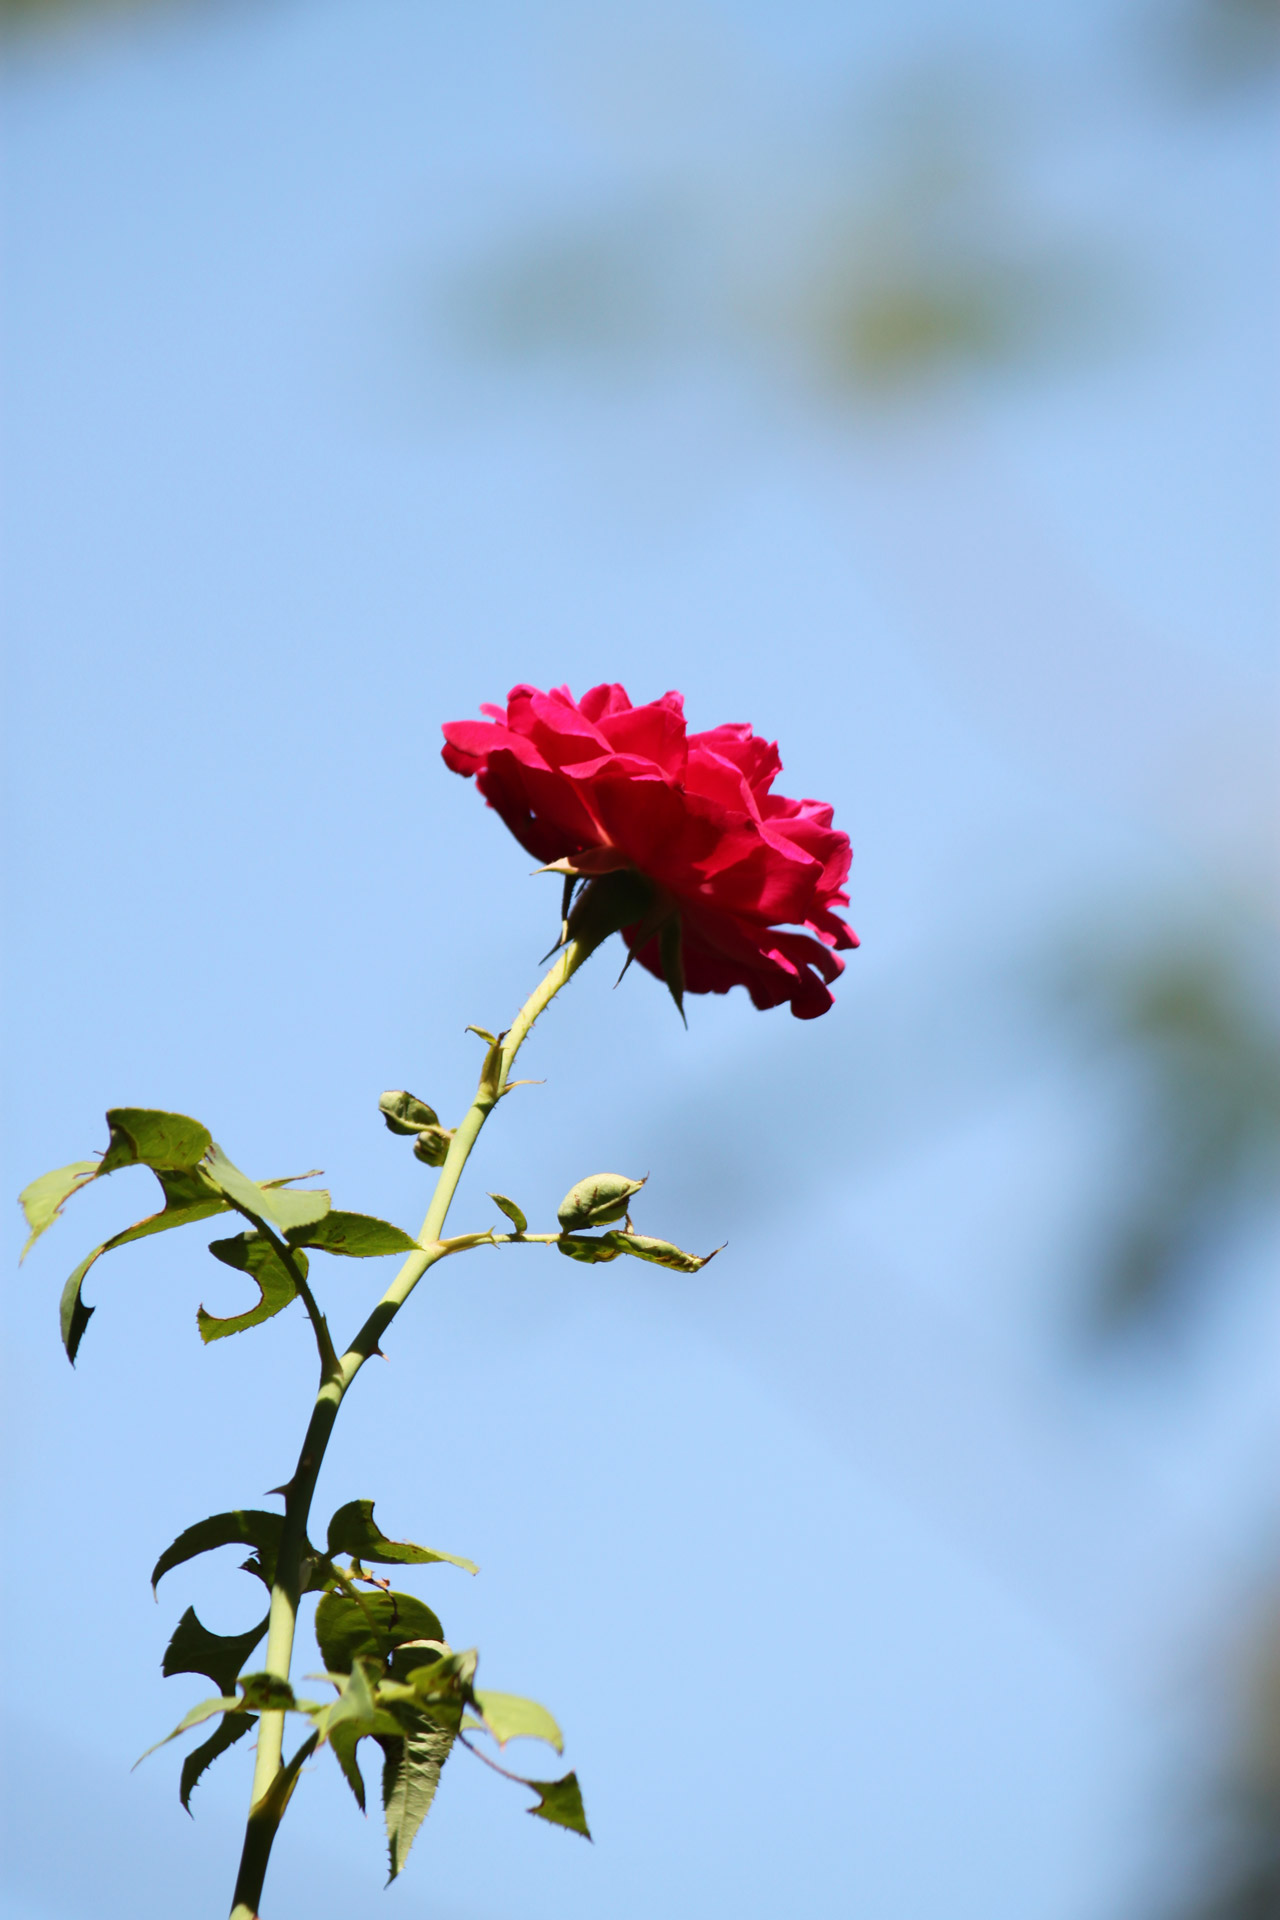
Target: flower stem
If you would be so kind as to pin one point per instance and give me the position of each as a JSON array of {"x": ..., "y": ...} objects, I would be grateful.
[{"x": 267, "y": 1800}]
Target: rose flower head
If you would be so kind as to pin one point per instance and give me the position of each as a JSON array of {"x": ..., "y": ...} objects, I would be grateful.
[{"x": 713, "y": 880}]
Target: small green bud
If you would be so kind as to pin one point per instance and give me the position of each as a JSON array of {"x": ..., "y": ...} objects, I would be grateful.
[
  {"x": 643, "y": 1246},
  {"x": 590, "y": 1248},
  {"x": 405, "y": 1113},
  {"x": 596, "y": 1201},
  {"x": 432, "y": 1144}
]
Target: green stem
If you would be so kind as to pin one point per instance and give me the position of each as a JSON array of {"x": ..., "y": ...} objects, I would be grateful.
[{"x": 267, "y": 1801}]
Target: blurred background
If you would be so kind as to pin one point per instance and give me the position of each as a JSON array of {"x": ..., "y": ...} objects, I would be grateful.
[{"x": 897, "y": 379}]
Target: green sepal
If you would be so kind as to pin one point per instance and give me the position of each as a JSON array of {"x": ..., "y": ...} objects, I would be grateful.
[
  {"x": 560, "y": 1801},
  {"x": 193, "y": 1649},
  {"x": 370, "y": 1627},
  {"x": 358, "y": 1235},
  {"x": 405, "y": 1113},
  {"x": 671, "y": 957},
  {"x": 642, "y": 1246},
  {"x": 609, "y": 903},
  {"x": 509, "y": 1717},
  {"x": 594, "y": 1249},
  {"x": 597, "y": 1200},
  {"x": 352, "y": 1530},
  {"x": 243, "y": 1527},
  {"x": 232, "y": 1727},
  {"x": 254, "y": 1254},
  {"x": 43, "y": 1200},
  {"x": 512, "y": 1211}
]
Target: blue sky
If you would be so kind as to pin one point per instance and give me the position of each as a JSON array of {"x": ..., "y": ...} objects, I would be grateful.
[{"x": 851, "y": 1594}]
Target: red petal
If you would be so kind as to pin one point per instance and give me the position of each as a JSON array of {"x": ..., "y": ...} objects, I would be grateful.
[{"x": 655, "y": 732}]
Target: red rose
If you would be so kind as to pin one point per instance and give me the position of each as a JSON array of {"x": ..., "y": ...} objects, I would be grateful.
[{"x": 598, "y": 786}]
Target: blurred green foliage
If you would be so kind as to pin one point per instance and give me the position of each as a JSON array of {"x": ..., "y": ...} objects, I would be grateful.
[{"x": 1194, "y": 1026}]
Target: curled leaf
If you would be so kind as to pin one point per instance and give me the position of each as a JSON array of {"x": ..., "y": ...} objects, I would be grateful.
[
  {"x": 193, "y": 1649},
  {"x": 592, "y": 1249},
  {"x": 512, "y": 1211},
  {"x": 254, "y": 1254},
  {"x": 243, "y": 1527},
  {"x": 188, "y": 1198},
  {"x": 280, "y": 1207},
  {"x": 352, "y": 1530},
  {"x": 43, "y": 1200}
]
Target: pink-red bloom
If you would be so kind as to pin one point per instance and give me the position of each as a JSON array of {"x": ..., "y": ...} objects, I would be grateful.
[{"x": 747, "y": 880}]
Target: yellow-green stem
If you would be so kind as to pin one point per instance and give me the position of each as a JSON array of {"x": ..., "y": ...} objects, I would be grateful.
[{"x": 267, "y": 1804}]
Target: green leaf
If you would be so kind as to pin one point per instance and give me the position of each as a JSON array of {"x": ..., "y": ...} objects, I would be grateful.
[
  {"x": 45, "y": 1198},
  {"x": 244, "y": 1527},
  {"x": 197, "y": 1715},
  {"x": 591, "y": 1248},
  {"x": 270, "y": 1694},
  {"x": 278, "y": 1795},
  {"x": 371, "y": 1627},
  {"x": 193, "y": 1649},
  {"x": 406, "y": 1659},
  {"x": 643, "y": 1247},
  {"x": 352, "y": 1530},
  {"x": 560, "y": 1801},
  {"x": 405, "y": 1113},
  {"x": 279, "y": 1207},
  {"x": 344, "y": 1740},
  {"x": 359, "y": 1235},
  {"x": 443, "y": 1687},
  {"x": 511, "y": 1210},
  {"x": 507, "y": 1717},
  {"x": 597, "y": 1200},
  {"x": 411, "y": 1767},
  {"x": 232, "y": 1727},
  {"x": 173, "y": 1146},
  {"x": 354, "y": 1706},
  {"x": 188, "y": 1198},
  {"x": 251, "y": 1253},
  {"x": 146, "y": 1136}
]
